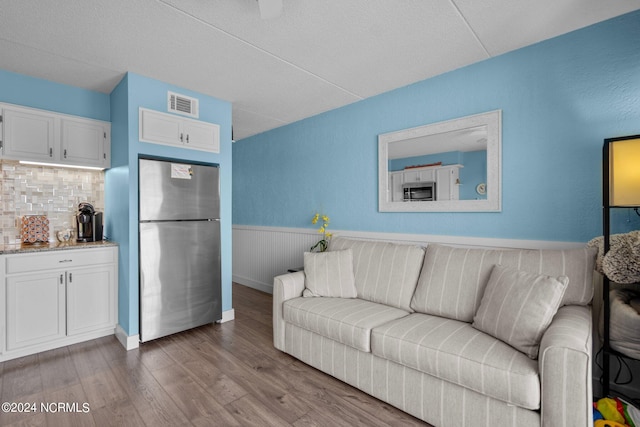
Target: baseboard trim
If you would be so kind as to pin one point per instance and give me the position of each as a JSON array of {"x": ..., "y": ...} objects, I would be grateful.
[
  {"x": 63, "y": 342},
  {"x": 227, "y": 316},
  {"x": 264, "y": 287},
  {"x": 129, "y": 342}
]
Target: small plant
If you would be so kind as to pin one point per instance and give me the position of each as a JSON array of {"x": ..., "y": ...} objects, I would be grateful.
[{"x": 323, "y": 243}]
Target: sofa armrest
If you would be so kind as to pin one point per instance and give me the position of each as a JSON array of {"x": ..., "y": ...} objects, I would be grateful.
[
  {"x": 285, "y": 287},
  {"x": 565, "y": 369}
]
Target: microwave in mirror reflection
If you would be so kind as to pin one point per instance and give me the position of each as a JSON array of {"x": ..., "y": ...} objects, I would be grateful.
[{"x": 419, "y": 192}]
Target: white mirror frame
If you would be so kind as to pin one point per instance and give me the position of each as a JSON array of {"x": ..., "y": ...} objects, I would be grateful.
[{"x": 493, "y": 202}]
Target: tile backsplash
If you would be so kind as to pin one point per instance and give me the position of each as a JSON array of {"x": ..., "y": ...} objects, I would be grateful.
[{"x": 45, "y": 190}]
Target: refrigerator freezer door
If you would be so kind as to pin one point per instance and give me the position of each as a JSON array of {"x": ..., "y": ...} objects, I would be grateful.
[
  {"x": 170, "y": 190},
  {"x": 179, "y": 276}
]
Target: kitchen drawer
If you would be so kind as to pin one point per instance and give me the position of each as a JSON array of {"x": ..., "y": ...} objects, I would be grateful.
[{"x": 70, "y": 258}]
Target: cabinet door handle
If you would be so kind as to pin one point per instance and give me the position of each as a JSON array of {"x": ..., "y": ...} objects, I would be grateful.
[
  {"x": 61, "y": 279},
  {"x": 70, "y": 277},
  {"x": 50, "y": 152},
  {"x": 65, "y": 260},
  {"x": 65, "y": 153},
  {"x": 187, "y": 138},
  {"x": 181, "y": 137}
]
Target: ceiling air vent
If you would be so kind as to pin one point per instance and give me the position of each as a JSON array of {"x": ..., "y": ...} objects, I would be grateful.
[{"x": 182, "y": 104}]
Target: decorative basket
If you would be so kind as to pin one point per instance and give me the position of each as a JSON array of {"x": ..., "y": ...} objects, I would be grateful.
[{"x": 34, "y": 229}]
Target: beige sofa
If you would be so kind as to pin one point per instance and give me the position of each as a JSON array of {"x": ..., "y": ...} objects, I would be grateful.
[{"x": 411, "y": 337}]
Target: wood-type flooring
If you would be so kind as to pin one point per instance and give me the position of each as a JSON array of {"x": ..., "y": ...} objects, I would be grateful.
[{"x": 216, "y": 375}]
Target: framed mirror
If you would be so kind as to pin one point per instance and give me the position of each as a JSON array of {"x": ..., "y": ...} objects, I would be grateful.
[{"x": 450, "y": 166}]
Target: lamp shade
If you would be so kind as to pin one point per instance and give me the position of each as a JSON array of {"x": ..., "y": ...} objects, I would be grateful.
[{"x": 624, "y": 172}]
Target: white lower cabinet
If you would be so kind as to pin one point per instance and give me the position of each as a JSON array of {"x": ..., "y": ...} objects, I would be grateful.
[
  {"x": 58, "y": 298},
  {"x": 90, "y": 300},
  {"x": 35, "y": 309}
]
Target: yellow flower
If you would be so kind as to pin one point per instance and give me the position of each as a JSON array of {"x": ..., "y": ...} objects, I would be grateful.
[{"x": 322, "y": 244}]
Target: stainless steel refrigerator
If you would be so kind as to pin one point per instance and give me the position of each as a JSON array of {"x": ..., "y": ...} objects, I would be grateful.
[{"x": 179, "y": 230}]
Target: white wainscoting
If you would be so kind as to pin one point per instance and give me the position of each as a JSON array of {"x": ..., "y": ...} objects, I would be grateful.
[{"x": 261, "y": 253}]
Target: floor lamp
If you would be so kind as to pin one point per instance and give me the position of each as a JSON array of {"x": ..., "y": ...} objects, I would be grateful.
[{"x": 620, "y": 189}]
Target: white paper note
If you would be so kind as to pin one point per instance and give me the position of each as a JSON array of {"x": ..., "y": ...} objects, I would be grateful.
[{"x": 180, "y": 171}]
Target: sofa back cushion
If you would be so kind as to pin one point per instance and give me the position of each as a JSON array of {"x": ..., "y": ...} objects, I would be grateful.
[
  {"x": 453, "y": 280},
  {"x": 385, "y": 273}
]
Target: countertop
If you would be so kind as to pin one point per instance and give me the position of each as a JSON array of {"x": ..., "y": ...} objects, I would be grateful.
[{"x": 52, "y": 246}]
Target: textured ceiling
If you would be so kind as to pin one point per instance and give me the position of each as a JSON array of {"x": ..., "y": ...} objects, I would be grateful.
[{"x": 317, "y": 56}]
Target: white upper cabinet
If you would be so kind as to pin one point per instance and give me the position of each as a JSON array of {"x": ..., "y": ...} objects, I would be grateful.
[
  {"x": 168, "y": 129},
  {"x": 202, "y": 135},
  {"x": 427, "y": 175},
  {"x": 160, "y": 128},
  {"x": 35, "y": 135},
  {"x": 28, "y": 134},
  {"x": 84, "y": 142}
]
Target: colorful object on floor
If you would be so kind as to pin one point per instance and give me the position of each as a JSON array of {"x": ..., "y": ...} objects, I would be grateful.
[
  {"x": 608, "y": 423},
  {"x": 609, "y": 409},
  {"x": 615, "y": 412},
  {"x": 630, "y": 412}
]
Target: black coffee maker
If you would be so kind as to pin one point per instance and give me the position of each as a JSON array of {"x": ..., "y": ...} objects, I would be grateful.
[{"x": 89, "y": 223}]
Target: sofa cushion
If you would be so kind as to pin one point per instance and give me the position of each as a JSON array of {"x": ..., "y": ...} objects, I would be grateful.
[
  {"x": 329, "y": 274},
  {"x": 384, "y": 272},
  {"x": 452, "y": 280},
  {"x": 456, "y": 352},
  {"x": 517, "y": 307},
  {"x": 346, "y": 320}
]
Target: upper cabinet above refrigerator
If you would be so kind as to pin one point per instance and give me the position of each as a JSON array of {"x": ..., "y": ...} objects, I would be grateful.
[{"x": 168, "y": 129}]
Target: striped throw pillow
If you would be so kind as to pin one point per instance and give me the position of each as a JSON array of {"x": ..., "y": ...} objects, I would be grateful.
[
  {"x": 329, "y": 274},
  {"x": 517, "y": 307}
]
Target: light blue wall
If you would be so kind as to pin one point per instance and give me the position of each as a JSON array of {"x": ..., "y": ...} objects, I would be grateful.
[
  {"x": 117, "y": 203},
  {"x": 122, "y": 182},
  {"x": 473, "y": 173},
  {"x": 37, "y": 93},
  {"x": 559, "y": 100}
]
